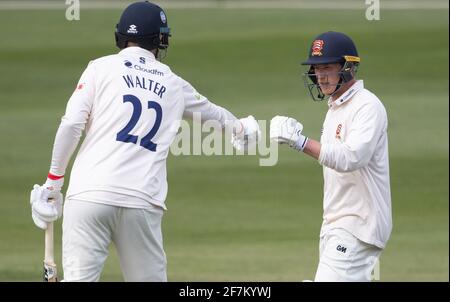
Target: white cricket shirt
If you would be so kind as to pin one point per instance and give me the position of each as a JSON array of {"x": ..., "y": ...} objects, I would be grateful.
[
  {"x": 130, "y": 105},
  {"x": 355, "y": 157}
]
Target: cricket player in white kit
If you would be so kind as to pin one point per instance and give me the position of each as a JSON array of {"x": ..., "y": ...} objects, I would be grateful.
[
  {"x": 353, "y": 151},
  {"x": 130, "y": 106}
]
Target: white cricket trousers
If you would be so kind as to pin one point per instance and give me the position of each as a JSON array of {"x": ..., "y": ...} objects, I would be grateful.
[
  {"x": 345, "y": 258},
  {"x": 88, "y": 230}
]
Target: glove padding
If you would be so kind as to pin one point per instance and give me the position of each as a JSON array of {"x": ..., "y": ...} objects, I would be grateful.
[
  {"x": 46, "y": 205},
  {"x": 286, "y": 130},
  {"x": 247, "y": 134}
]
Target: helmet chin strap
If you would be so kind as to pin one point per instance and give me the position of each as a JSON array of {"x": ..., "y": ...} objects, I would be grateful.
[
  {"x": 341, "y": 81},
  {"x": 338, "y": 86},
  {"x": 160, "y": 54}
]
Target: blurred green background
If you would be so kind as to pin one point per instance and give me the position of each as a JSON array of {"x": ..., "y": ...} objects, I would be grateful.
[{"x": 230, "y": 219}]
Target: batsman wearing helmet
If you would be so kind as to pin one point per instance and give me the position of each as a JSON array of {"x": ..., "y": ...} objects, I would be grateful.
[
  {"x": 130, "y": 106},
  {"x": 353, "y": 151}
]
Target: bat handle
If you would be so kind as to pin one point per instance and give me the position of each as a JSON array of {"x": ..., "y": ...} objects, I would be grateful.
[
  {"x": 49, "y": 256},
  {"x": 50, "y": 271}
]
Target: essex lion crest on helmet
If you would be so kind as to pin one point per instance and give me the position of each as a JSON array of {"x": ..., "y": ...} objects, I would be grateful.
[{"x": 317, "y": 47}]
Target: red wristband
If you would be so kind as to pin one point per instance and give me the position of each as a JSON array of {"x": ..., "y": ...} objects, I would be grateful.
[{"x": 54, "y": 177}]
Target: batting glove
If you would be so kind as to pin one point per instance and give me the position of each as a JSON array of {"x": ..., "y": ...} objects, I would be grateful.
[
  {"x": 286, "y": 130},
  {"x": 46, "y": 202},
  {"x": 247, "y": 134}
]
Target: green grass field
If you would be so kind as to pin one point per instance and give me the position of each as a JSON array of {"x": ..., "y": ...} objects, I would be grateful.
[{"x": 230, "y": 219}]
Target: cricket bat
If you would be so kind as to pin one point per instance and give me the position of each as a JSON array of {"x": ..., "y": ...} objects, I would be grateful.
[{"x": 50, "y": 273}]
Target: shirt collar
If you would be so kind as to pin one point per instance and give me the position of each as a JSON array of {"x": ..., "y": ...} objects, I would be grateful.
[
  {"x": 346, "y": 96},
  {"x": 138, "y": 51}
]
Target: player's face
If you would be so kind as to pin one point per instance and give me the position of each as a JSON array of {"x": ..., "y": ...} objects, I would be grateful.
[{"x": 327, "y": 77}]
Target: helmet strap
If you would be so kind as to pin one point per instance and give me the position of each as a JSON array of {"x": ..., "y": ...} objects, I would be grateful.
[
  {"x": 160, "y": 54},
  {"x": 338, "y": 86},
  {"x": 346, "y": 75}
]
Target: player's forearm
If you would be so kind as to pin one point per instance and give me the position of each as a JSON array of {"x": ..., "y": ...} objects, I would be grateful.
[
  {"x": 345, "y": 158},
  {"x": 66, "y": 141},
  {"x": 333, "y": 156},
  {"x": 220, "y": 114},
  {"x": 312, "y": 148},
  {"x": 208, "y": 111}
]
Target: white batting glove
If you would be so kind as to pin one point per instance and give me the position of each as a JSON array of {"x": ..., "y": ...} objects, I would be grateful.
[
  {"x": 286, "y": 130},
  {"x": 247, "y": 134},
  {"x": 46, "y": 202}
]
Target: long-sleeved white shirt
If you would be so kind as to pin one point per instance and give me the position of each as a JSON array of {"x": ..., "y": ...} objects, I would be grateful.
[
  {"x": 130, "y": 105},
  {"x": 354, "y": 155}
]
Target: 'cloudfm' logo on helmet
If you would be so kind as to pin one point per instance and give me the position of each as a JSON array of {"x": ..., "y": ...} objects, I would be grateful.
[
  {"x": 132, "y": 29},
  {"x": 163, "y": 17},
  {"x": 317, "y": 47}
]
